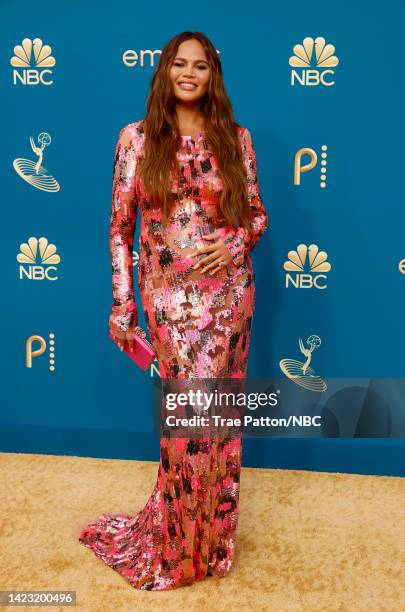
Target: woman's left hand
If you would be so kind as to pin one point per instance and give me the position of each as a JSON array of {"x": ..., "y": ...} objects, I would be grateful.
[{"x": 218, "y": 255}]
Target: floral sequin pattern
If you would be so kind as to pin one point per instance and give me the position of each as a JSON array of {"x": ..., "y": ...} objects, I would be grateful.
[{"x": 200, "y": 326}]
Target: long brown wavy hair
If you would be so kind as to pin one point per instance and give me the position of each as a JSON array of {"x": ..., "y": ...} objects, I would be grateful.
[{"x": 162, "y": 136}]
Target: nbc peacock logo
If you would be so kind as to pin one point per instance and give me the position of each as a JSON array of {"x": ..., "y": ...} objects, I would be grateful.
[
  {"x": 32, "y": 62},
  {"x": 38, "y": 260},
  {"x": 33, "y": 172},
  {"x": 312, "y": 63},
  {"x": 300, "y": 372},
  {"x": 306, "y": 267}
]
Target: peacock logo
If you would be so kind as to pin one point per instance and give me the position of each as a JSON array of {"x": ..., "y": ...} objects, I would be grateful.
[
  {"x": 38, "y": 259},
  {"x": 306, "y": 267},
  {"x": 301, "y": 166},
  {"x": 32, "y": 61},
  {"x": 36, "y": 346},
  {"x": 315, "y": 59}
]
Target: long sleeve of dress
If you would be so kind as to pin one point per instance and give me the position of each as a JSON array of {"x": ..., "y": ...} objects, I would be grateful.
[
  {"x": 238, "y": 241},
  {"x": 124, "y": 313}
]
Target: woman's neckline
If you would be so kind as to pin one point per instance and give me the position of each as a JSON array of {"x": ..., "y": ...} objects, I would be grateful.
[{"x": 196, "y": 137}]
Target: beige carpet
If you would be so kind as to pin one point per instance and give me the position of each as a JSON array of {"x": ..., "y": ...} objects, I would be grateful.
[{"x": 306, "y": 540}]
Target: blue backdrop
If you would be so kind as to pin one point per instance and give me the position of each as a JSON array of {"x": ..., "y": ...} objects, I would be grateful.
[{"x": 80, "y": 395}]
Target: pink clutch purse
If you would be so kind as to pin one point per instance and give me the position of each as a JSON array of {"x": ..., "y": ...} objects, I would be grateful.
[{"x": 142, "y": 354}]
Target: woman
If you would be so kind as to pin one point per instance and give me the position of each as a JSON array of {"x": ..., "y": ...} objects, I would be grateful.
[{"x": 192, "y": 171}]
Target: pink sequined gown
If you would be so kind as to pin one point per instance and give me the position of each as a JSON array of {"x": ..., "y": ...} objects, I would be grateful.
[{"x": 199, "y": 325}]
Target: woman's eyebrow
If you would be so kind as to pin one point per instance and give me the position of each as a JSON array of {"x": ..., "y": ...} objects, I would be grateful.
[{"x": 196, "y": 61}]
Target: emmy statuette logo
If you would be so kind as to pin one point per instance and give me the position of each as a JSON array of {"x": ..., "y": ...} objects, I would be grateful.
[
  {"x": 33, "y": 352},
  {"x": 33, "y": 172},
  {"x": 312, "y": 62},
  {"x": 38, "y": 259},
  {"x": 300, "y": 167},
  {"x": 300, "y": 372},
  {"x": 32, "y": 61},
  {"x": 306, "y": 257}
]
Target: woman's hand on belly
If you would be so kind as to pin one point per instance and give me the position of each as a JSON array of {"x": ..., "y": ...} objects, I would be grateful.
[{"x": 218, "y": 254}]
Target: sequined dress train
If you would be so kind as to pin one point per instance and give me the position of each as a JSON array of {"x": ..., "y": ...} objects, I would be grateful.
[{"x": 199, "y": 325}]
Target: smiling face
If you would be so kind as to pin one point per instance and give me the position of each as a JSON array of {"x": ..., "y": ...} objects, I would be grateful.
[{"x": 190, "y": 72}]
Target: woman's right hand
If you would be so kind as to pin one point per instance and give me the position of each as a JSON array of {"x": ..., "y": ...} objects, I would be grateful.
[
  {"x": 128, "y": 341},
  {"x": 124, "y": 208},
  {"x": 119, "y": 342}
]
